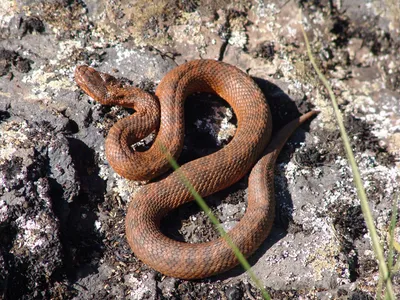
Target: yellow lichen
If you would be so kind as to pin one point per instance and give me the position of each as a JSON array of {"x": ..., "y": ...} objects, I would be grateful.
[{"x": 323, "y": 258}]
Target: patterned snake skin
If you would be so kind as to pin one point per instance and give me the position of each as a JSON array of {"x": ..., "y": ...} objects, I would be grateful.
[{"x": 165, "y": 113}]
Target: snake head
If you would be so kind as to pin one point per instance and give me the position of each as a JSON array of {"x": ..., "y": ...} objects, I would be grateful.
[{"x": 100, "y": 86}]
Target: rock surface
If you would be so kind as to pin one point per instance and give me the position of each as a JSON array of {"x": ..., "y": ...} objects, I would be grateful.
[{"x": 62, "y": 207}]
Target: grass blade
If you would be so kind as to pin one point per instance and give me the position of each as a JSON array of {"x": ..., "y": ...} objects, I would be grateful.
[
  {"x": 356, "y": 176},
  {"x": 391, "y": 235}
]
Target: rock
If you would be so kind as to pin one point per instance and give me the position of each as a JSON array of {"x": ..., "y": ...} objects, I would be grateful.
[{"x": 62, "y": 207}]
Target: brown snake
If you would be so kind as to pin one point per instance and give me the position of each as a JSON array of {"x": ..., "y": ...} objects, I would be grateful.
[{"x": 165, "y": 113}]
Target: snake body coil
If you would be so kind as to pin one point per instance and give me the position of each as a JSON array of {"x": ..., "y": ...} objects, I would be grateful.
[{"x": 209, "y": 174}]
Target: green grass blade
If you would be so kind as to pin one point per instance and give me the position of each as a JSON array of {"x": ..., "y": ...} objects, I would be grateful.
[
  {"x": 356, "y": 175},
  {"x": 391, "y": 235},
  {"x": 391, "y": 242},
  {"x": 396, "y": 267}
]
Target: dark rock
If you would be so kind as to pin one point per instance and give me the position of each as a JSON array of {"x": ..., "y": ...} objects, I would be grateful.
[
  {"x": 30, "y": 25},
  {"x": 233, "y": 293}
]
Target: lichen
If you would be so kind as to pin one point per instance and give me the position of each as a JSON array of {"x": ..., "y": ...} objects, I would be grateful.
[
  {"x": 33, "y": 233},
  {"x": 12, "y": 136}
]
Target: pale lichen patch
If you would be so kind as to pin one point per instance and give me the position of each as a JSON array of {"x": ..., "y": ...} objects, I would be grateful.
[
  {"x": 12, "y": 136},
  {"x": 138, "y": 289},
  {"x": 188, "y": 30},
  {"x": 3, "y": 211},
  {"x": 44, "y": 85},
  {"x": 33, "y": 232},
  {"x": 323, "y": 258}
]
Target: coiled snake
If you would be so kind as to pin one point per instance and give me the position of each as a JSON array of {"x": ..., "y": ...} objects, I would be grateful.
[{"x": 164, "y": 112}]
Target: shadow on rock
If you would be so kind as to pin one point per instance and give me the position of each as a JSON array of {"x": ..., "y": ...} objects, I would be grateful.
[{"x": 81, "y": 240}]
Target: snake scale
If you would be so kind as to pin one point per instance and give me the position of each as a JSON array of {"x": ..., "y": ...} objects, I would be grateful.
[{"x": 164, "y": 113}]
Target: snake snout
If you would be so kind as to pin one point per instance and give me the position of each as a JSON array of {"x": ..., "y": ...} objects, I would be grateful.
[
  {"x": 91, "y": 82},
  {"x": 85, "y": 75}
]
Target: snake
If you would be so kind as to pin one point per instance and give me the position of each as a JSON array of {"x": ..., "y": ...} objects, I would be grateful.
[{"x": 250, "y": 150}]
